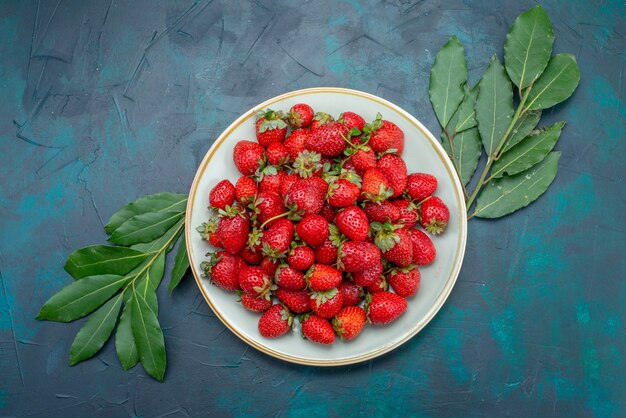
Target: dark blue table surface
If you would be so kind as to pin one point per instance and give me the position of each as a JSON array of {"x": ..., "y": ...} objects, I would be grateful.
[{"x": 105, "y": 101}]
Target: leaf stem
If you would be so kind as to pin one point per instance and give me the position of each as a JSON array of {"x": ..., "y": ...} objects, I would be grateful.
[{"x": 273, "y": 218}]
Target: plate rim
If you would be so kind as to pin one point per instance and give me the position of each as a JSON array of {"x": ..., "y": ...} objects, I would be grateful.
[{"x": 441, "y": 298}]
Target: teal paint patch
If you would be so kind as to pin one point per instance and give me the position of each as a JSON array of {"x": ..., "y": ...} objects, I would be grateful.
[
  {"x": 3, "y": 398},
  {"x": 582, "y": 314},
  {"x": 339, "y": 20}
]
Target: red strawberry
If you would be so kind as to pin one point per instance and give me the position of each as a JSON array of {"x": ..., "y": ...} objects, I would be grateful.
[
  {"x": 208, "y": 231},
  {"x": 380, "y": 284},
  {"x": 394, "y": 242},
  {"x": 326, "y": 252},
  {"x": 276, "y": 240},
  {"x": 317, "y": 329},
  {"x": 328, "y": 140},
  {"x": 308, "y": 164},
  {"x": 253, "y": 304},
  {"x": 382, "y": 212},
  {"x": 326, "y": 303},
  {"x": 321, "y": 119},
  {"x": 342, "y": 193},
  {"x": 352, "y": 120},
  {"x": 368, "y": 276},
  {"x": 222, "y": 195},
  {"x": 375, "y": 186},
  {"x": 353, "y": 223},
  {"x": 305, "y": 197},
  {"x": 358, "y": 255},
  {"x": 223, "y": 270},
  {"x": 269, "y": 265},
  {"x": 276, "y": 321},
  {"x": 385, "y": 307},
  {"x": 251, "y": 256},
  {"x": 349, "y": 322},
  {"x": 424, "y": 251},
  {"x": 301, "y": 258},
  {"x": 313, "y": 229},
  {"x": 298, "y": 301},
  {"x": 328, "y": 212},
  {"x": 386, "y": 136},
  {"x": 323, "y": 277},
  {"x": 245, "y": 190},
  {"x": 289, "y": 278},
  {"x": 434, "y": 215},
  {"x": 233, "y": 231},
  {"x": 268, "y": 206},
  {"x": 352, "y": 293},
  {"x": 270, "y": 127},
  {"x": 248, "y": 157},
  {"x": 277, "y": 154},
  {"x": 286, "y": 184},
  {"x": 272, "y": 183},
  {"x": 405, "y": 282},
  {"x": 254, "y": 281},
  {"x": 421, "y": 185},
  {"x": 300, "y": 115},
  {"x": 394, "y": 169},
  {"x": 408, "y": 212},
  {"x": 296, "y": 142},
  {"x": 362, "y": 158}
]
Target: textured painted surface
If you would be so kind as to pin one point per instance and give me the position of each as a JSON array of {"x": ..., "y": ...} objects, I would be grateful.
[{"x": 105, "y": 101}]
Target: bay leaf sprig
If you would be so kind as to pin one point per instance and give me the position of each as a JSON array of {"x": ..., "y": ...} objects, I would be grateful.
[
  {"x": 520, "y": 164},
  {"x": 110, "y": 279}
]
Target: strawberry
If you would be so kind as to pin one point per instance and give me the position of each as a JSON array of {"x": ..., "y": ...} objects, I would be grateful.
[
  {"x": 306, "y": 196},
  {"x": 375, "y": 186},
  {"x": 328, "y": 212},
  {"x": 208, "y": 231},
  {"x": 253, "y": 304},
  {"x": 349, "y": 322},
  {"x": 386, "y": 136},
  {"x": 394, "y": 169},
  {"x": 405, "y": 282},
  {"x": 272, "y": 183},
  {"x": 326, "y": 303},
  {"x": 222, "y": 195},
  {"x": 301, "y": 258},
  {"x": 326, "y": 252},
  {"x": 321, "y": 119},
  {"x": 233, "y": 230},
  {"x": 268, "y": 206},
  {"x": 251, "y": 256},
  {"x": 394, "y": 242},
  {"x": 248, "y": 157},
  {"x": 357, "y": 255},
  {"x": 352, "y": 293},
  {"x": 296, "y": 142},
  {"x": 277, "y": 154},
  {"x": 245, "y": 190},
  {"x": 298, "y": 301},
  {"x": 254, "y": 281},
  {"x": 323, "y": 277},
  {"x": 276, "y": 240},
  {"x": 313, "y": 229},
  {"x": 223, "y": 270},
  {"x": 328, "y": 140},
  {"x": 270, "y": 127},
  {"x": 352, "y": 120},
  {"x": 362, "y": 158},
  {"x": 353, "y": 223},
  {"x": 408, "y": 212},
  {"x": 308, "y": 164},
  {"x": 434, "y": 215},
  {"x": 317, "y": 329},
  {"x": 424, "y": 251},
  {"x": 289, "y": 278},
  {"x": 342, "y": 193},
  {"x": 276, "y": 321},
  {"x": 421, "y": 185},
  {"x": 300, "y": 115},
  {"x": 385, "y": 307},
  {"x": 368, "y": 276},
  {"x": 382, "y": 212},
  {"x": 380, "y": 284},
  {"x": 286, "y": 184},
  {"x": 269, "y": 265}
]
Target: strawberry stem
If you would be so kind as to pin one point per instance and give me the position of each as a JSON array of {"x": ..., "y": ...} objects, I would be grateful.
[{"x": 273, "y": 218}]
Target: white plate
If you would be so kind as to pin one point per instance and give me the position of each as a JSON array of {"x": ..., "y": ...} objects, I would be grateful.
[{"x": 422, "y": 152}]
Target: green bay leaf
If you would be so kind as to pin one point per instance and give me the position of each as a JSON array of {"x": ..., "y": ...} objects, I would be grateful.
[
  {"x": 124, "y": 341},
  {"x": 169, "y": 239},
  {"x": 528, "y": 46},
  {"x": 466, "y": 151},
  {"x": 526, "y": 123},
  {"x": 81, "y": 297},
  {"x": 180, "y": 266},
  {"x": 159, "y": 202},
  {"x": 148, "y": 337},
  {"x": 510, "y": 193},
  {"x": 145, "y": 227},
  {"x": 447, "y": 78},
  {"x": 527, "y": 153},
  {"x": 149, "y": 282},
  {"x": 96, "y": 331},
  {"x": 494, "y": 105},
  {"x": 465, "y": 117},
  {"x": 557, "y": 83},
  {"x": 102, "y": 259}
]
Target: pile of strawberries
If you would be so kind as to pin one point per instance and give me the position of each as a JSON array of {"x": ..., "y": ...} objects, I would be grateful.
[{"x": 323, "y": 223}]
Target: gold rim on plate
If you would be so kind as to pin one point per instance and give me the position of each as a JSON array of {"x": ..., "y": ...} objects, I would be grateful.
[{"x": 461, "y": 216}]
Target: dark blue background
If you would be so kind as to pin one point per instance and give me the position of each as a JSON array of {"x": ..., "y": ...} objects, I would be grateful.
[{"x": 105, "y": 101}]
